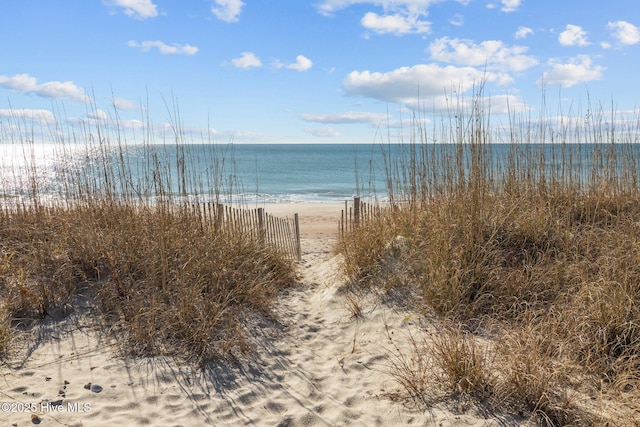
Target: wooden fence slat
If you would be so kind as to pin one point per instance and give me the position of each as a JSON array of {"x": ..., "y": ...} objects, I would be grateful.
[{"x": 298, "y": 246}]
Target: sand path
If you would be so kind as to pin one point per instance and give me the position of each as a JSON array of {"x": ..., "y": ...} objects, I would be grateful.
[{"x": 319, "y": 366}]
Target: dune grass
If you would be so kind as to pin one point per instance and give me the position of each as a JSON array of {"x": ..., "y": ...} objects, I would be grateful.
[
  {"x": 131, "y": 241},
  {"x": 530, "y": 251}
]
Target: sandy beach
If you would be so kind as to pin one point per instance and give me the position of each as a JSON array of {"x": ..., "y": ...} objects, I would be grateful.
[{"x": 318, "y": 366}]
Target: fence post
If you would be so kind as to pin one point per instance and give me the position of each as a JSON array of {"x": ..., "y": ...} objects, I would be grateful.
[
  {"x": 356, "y": 210},
  {"x": 261, "y": 224},
  {"x": 219, "y": 216},
  {"x": 346, "y": 215},
  {"x": 297, "y": 228}
]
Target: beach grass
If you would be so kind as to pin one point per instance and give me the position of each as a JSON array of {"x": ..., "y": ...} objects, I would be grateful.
[
  {"x": 529, "y": 257},
  {"x": 135, "y": 246}
]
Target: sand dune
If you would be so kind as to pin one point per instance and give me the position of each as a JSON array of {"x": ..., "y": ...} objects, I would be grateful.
[{"x": 319, "y": 366}]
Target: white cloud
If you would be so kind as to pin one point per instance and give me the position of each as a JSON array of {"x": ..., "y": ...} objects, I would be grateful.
[
  {"x": 247, "y": 60},
  {"x": 324, "y": 132},
  {"x": 123, "y": 104},
  {"x": 625, "y": 32},
  {"x": 329, "y": 7},
  {"x": 57, "y": 90},
  {"x": 141, "y": 9},
  {"x": 492, "y": 53},
  {"x": 510, "y": 5},
  {"x": 457, "y": 20},
  {"x": 504, "y": 104},
  {"x": 397, "y": 24},
  {"x": 98, "y": 115},
  {"x": 523, "y": 32},
  {"x": 277, "y": 64},
  {"x": 578, "y": 70},
  {"x": 410, "y": 84},
  {"x": 227, "y": 10},
  {"x": 573, "y": 35},
  {"x": 398, "y": 17},
  {"x": 342, "y": 118},
  {"x": 163, "y": 48},
  {"x": 44, "y": 116},
  {"x": 132, "y": 124},
  {"x": 302, "y": 63}
]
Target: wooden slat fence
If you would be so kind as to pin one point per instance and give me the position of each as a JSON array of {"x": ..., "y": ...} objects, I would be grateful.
[
  {"x": 357, "y": 213},
  {"x": 278, "y": 232}
]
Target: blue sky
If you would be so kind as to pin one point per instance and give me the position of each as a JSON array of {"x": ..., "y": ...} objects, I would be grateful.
[{"x": 309, "y": 71}]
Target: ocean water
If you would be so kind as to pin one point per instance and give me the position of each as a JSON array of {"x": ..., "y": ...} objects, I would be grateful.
[
  {"x": 306, "y": 172},
  {"x": 242, "y": 172},
  {"x": 252, "y": 172}
]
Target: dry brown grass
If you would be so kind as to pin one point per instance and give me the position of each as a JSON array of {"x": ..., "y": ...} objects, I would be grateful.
[
  {"x": 166, "y": 280},
  {"x": 536, "y": 248},
  {"x": 463, "y": 364},
  {"x": 167, "y": 284}
]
